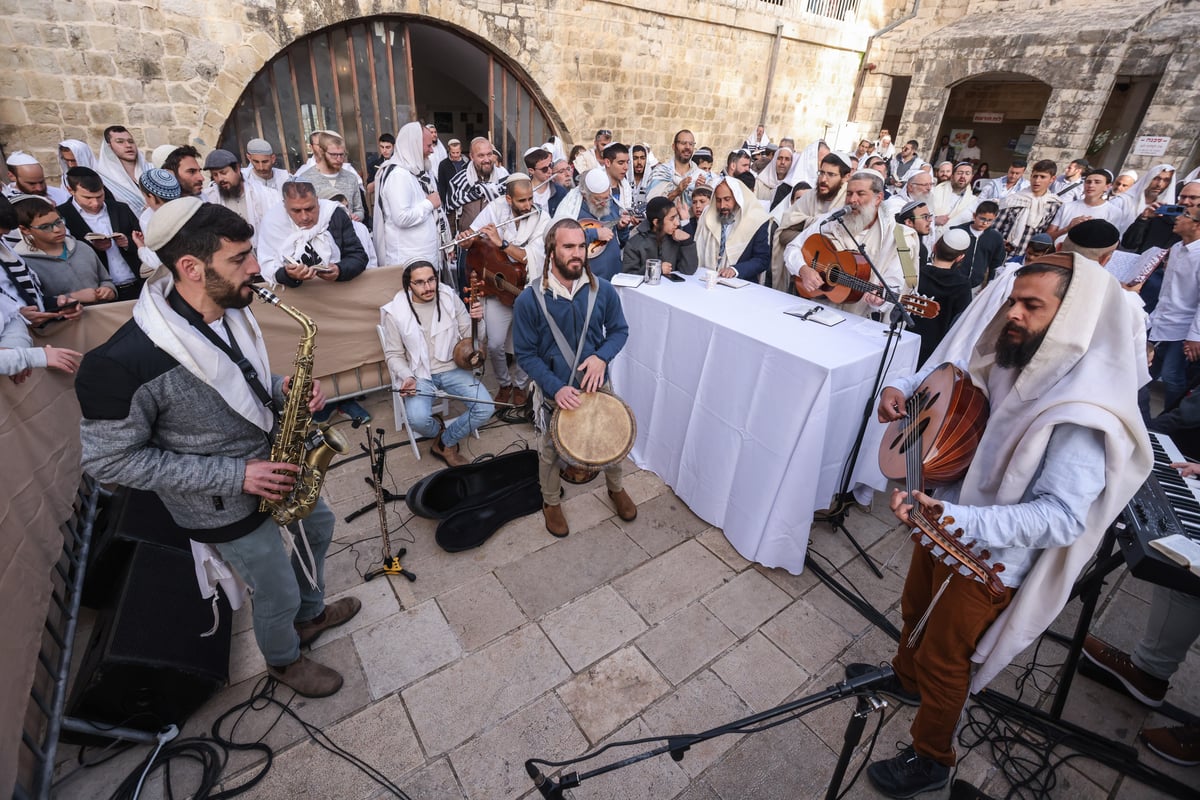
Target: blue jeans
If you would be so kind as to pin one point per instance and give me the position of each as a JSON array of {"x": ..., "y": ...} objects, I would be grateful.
[
  {"x": 456, "y": 381},
  {"x": 1174, "y": 370},
  {"x": 283, "y": 597}
]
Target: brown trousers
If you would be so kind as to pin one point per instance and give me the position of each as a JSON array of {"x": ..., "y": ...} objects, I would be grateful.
[{"x": 939, "y": 666}]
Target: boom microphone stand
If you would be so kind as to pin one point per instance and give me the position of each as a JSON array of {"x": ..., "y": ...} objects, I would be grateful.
[{"x": 677, "y": 746}]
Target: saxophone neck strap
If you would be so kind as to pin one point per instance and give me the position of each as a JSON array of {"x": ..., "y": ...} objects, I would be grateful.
[{"x": 230, "y": 348}]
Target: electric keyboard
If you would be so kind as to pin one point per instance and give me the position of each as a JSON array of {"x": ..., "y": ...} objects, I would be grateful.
[{"x": 1166, "y": 503}]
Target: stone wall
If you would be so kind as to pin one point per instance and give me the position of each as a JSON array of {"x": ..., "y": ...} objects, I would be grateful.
[{"x": 172, "y": 70}]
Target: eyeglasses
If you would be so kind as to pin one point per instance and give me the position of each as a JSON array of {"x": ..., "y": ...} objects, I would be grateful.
[
  {"x": 426, "y": 282},
  {"x": 331, "y": 154},
  {"x": 830, "y": 175},
  {"x": 603, "y": 132},
  {"x": 922, "y": 216},
  {"x": 49, "y": 226},
  {"x": 545, "y": 168}
]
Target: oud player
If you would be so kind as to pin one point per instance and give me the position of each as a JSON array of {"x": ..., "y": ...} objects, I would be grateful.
[
  {"x": 515, "y": 246},
  {"x": 865, "y": 225},
  {"x": 1060, "y": 354},
  {"x": 421, "y": 325},
  {"x": 181, "y": 401}
]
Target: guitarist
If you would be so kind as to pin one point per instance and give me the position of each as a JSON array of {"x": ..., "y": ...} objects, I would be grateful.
[
  {"x": 868, "y": 227},
  {"x": 519, "y": 243},
  {"x": 1064, "y": 450}
]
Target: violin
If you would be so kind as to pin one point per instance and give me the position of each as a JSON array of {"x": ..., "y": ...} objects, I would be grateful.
[{"x": 467, "y": 354}]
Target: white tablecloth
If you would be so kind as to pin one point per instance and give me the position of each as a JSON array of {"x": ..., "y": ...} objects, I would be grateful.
[{"x": 749, "y": 414}]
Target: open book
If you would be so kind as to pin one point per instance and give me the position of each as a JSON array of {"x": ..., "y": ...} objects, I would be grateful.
[
  {"x": 630, "y": 279},
  {"x": 1133, "y": 268},
  {"x": 817, "y": 313},
  {"x": 1183, "y": 551}
]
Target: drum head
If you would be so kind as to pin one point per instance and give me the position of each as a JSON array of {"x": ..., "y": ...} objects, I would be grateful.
[{"x": 598, "y": 434}]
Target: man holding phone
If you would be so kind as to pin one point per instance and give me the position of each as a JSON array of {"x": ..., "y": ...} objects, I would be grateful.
[{"x": 306, "y": 237}]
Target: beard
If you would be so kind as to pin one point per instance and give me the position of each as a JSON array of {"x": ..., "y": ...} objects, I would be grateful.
[
  {"x": 826, "y": 192},
  {"x": 225, "y": 293},
  {"x": 485, "y": 173},
  {"x": 232, "y": 193},
  {"x": 571, "y": 269},
  {"x": 858, "y": 221},
  {"x": 1016, "y": 354},
  {"x": 726, "y": 217},
  {"x": 597, "y": 205}
]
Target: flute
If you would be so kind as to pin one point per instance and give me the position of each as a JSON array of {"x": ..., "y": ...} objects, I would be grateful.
[
  {"x": 477, "y": 234},
  {"x": 444, "y": 396}
]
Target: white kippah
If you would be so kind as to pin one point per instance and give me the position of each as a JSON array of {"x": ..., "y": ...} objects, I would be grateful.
[
  {"x": 596, "y": 180},
  {"x": 514, "y": 177},
  {"x": 169, "y": 219},
  {"x": 160, "y": 153},
  {"x": 19, "y": 158},
  {"x": 957, "y": 239}
]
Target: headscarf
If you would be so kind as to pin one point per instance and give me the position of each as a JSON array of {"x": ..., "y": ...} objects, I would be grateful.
[
  {"x": 84, "y": 157},
  {"x": 769, "y": 177},
  {"x": 410, "y": 149}
]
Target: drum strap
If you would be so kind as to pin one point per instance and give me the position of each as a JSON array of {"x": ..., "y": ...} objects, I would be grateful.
[
  {"x": 560, "y": 339},
  {"x": 906, "y": 261}
]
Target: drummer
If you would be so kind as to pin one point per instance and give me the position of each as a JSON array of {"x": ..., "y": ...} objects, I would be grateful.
[
  {"x": 520, "y": 243},
  {"x": 568, "y": 328}
]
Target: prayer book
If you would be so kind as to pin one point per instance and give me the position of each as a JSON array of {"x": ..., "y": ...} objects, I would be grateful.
[
  {"x": 1133, "y": 268},
  {"x": 1183, "y": 551},
  {"x": 630, "y": 279},
  {"x": 817, "y": 313}
]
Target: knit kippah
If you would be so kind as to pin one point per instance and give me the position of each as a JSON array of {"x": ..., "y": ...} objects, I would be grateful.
[{"x": 160, "y": 183}]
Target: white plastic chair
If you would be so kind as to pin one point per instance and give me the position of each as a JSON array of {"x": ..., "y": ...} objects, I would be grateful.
[{"x": 440, "y": 406}]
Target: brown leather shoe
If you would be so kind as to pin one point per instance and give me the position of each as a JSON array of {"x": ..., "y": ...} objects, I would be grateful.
[
  {"x": 448, "y": 454},
  {"x": 556, "y": 521},
  {"x": 504, "y": 394},
  {"x": 626, "y": 508},
  {"x": 519, "y": 396},
  {"x": 307, "y": 677},
  {"x": 337, "y": 613}
]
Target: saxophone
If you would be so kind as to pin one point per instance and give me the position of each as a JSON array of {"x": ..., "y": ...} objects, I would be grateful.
[{"x": 299, "y": 442}]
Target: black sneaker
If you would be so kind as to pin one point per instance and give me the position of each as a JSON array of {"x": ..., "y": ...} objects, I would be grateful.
[
  {"x": 908, "y": 774},
  {"x": 891, "y": 687}
]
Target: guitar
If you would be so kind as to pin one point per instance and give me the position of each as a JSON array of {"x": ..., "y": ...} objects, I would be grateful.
[
  {"x": 467, "y": 354},
  {"x": 935, "y": 441},
  {"x": 846, "y": 277}
]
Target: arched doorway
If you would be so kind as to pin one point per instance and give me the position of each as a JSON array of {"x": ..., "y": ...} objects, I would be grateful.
[
  {"x": 359, "y": 79},
  {"x": 1002, "y": 109}
]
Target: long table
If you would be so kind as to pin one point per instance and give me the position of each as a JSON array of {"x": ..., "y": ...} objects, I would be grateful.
[{"x": 749, "y": 414}]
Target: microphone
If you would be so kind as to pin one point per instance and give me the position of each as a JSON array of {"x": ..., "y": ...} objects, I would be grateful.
[
  {"x": 868, "y": 679},
  {"x": 543, "y": 784},
  {"x": 841, "y": 212}
]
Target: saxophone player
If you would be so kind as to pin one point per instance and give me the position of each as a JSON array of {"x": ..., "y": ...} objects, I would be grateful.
[{"x": 181, "y": 401}]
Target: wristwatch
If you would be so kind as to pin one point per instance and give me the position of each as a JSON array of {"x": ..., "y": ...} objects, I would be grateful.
[{"x": 504, "y": 244}]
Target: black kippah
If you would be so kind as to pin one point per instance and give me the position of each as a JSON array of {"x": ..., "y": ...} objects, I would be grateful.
[{"x": 1094, "y": 233}]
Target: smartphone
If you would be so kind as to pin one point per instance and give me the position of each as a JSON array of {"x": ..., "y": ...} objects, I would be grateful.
[
  {"x": 1169, "y": 211},
  {"x": 52, "y": 306},
  {"x": 671, "y": 276},
  {"x": 323, "y": 268}
]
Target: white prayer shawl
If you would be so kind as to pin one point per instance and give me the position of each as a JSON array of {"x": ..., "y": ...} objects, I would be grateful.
[
  {"x": 1132, "y": 201},
  {"x": 997, "y": 189},
  {"x": 1086, "y": 372},
  {"x": 364, "y": 237},
  {"x": 879, "y": 241},
  {"x": 569, "y": 206},
  {"x": 124, "y": 188},
  {"x": 83, "y": 157},
  {"x": 586, "y": 160},
  {"x": 528, "y": 234},
  {"x": 958, "y": 207},
  {"x": 256, "y": 197},
  {"x": 754, "y": 140},
  {"x": 438, "y": 155},
  {"x": 805, "y": 166},
  {"x": 664, "y": 180},
  {"x": 280, "y": 239},
  {"x": 178, "y": 339},
  {"x": 767, "y": 181},
  {"x": 624, "y": 195},
  {"x": 555, "y": 149},
  {"x": 748, "y": 218},
  {"x": 1191, "y": 176},
  {"x": 443, "y": 334},
  {"x": 273, "y": 187},
  {"x": 1030, "y": 210},
  {"x": 212, "y": 572},
  {"x": 406, "y": 223}
]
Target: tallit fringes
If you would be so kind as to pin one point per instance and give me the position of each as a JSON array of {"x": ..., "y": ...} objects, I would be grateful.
[
  {"x": 216, "y": 617},
  {"x": 915, "y": 636}
]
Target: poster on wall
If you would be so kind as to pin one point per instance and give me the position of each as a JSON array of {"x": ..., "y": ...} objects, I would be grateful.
[
  {"x": 959, "y": 137},
  {"x": 1151, "y": 145}
]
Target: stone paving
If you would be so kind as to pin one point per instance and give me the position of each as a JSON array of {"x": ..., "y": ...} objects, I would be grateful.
[{"x": 533, "y": 646}]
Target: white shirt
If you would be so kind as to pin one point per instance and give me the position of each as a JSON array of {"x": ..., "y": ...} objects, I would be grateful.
[
  {"x": 274, "y": 186},
  {"x": 968, "y": 153},
  {"x": 118, "y": 268},
  {"x": 1177, "y": 316}
]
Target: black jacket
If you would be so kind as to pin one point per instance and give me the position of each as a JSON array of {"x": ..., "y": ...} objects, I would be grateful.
[
  {"x": 354, "y": 257},
  {"x": 644, "y": 245},
  {"x": 122, "y": 219},
  {"x": 983, "y": 257}
]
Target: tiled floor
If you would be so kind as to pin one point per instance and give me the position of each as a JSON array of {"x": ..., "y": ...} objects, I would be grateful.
[{"x": 532, "y": 646}]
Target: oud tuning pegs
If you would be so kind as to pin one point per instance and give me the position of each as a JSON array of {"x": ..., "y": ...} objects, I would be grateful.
[
  {"x": 986, "y": 555},
  {"x": 947, "y": 520},
  {"x": 998, "y": 567}
]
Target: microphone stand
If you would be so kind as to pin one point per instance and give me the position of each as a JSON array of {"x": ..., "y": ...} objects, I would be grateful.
[
  {"x": 677, "y": 746},
  {"x": 836, "y": 517}
]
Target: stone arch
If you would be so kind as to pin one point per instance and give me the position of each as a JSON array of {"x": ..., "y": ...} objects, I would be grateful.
[
  {"x": 242, "y": 66},
  {"x": 1003, "y": 108}
]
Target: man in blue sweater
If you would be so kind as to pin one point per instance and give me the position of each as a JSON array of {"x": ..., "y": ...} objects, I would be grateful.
[{"x": 572, "y": 302}]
